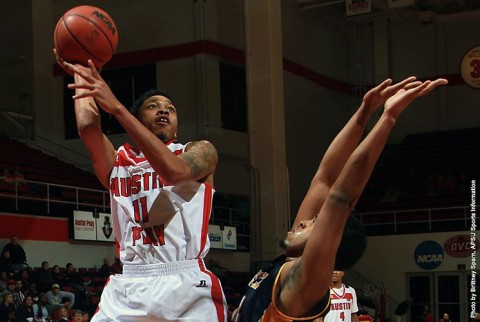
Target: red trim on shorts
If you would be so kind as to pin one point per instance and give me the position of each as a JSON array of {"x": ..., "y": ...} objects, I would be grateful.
[
  {"x": 217, "y": 292},
  {"x": 207, "y": 209},
  {"x": 117, "y": 248}
]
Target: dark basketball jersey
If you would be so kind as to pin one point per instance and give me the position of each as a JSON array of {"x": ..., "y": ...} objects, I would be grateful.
[{"x": 257, "y": 303}]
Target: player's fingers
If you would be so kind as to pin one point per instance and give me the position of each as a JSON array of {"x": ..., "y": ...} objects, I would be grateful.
[
  {"x": 93, "y": 69},
  {"x": 434, "y": 84},
  {"x": 419, "y": 90},
  {"x": 412, "y": 85},
  {"x": 381, "y": 86},
  {"x": 404, "y": 83},
  {"x": 82, "y": 85}
]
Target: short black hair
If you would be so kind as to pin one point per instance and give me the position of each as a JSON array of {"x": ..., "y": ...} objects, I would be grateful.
[
  {"x": 141, "y": 99},
  {"x": 352, "y": 246}
]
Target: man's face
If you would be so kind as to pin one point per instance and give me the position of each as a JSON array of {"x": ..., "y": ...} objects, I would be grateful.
[
  {"x": 337, "y": 276},
  {"x": 297, "y": 239},
  {"x": 55, "y": 290},
  {"x": 159, "y": 116}
]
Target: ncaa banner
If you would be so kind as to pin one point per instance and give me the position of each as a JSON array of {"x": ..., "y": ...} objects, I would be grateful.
[{"x": 356, "y": 7}]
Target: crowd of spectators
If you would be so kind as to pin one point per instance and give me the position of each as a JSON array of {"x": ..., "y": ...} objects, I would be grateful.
[{"x": 47, "y": 293}]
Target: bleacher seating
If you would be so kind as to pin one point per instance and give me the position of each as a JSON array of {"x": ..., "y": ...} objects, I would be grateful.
[
  {"x": 38, "y": 166},
  {"x": 407, "y": 174}
]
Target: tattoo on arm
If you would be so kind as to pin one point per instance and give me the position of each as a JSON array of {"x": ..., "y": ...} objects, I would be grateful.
[
  {"x": 292, "y": 276},
  {"x": 201, "y": 158}
]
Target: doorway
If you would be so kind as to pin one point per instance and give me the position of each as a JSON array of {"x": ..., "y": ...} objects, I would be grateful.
[{"x": 443, "y": 292}]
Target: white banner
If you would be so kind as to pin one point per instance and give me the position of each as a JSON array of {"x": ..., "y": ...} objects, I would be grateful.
[
  {"x": 356, "y": 7},
  {"x": 215, "y": 236},
  {"x": 229, "y": 237},
  {"x": 86, "y": 227},
  {"x": 105, "y": 228}
]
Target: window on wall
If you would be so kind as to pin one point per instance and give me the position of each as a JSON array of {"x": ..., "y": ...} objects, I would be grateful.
[
  {"x": 126, "y": 83},
  {"x": 233, "y": 94}
]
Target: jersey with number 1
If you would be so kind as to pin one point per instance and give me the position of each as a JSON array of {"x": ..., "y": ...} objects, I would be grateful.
[
  {"x": 343, "y": 303},
  {"x": 153, "y": 221}
]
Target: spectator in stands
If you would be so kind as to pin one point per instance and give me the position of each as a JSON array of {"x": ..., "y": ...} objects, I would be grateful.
[
  {"x": 6, "y": 308},
  {"x": 78, "y": 316},
  {"x": 45, "y": 277},
  {"x": 427, "y": 315},
  {"x": 32, "y": 291},
  {"x": 445, "y": 318},
  {"x": 14, "y": 176},
  {"x": 63, "y": 313},
  {"x": 3, "y": 280},
  {"x": 402, "y": 309},
  {"x": 60, "y": 299},
  {"x": 17, "y": 254},
  {"x": 42, "y": 309},
  {"x": 85, "y": 316},
  {"x": 215, "y": 268},
  {"x": 106, "y": 269},
  {"x": 74, "y": 280},
  {"x": 6, "y": 263},
  {"x": 7, "y": 176},
  {"x": 58, "y": 275},
  {"x": 25, "y": 310},
  {"x": 10, "y": 287},
  {"x": 18, "y": 295},
  {"x": 26, "y": 280},
  {"x": 117, "y": 266}
]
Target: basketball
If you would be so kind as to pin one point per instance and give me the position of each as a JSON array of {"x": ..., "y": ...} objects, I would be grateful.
[{"x": 83, "y": 33}]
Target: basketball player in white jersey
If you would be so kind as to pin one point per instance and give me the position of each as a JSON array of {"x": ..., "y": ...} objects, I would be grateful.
[
  {"x": 297, "y": 289},
  {"x": 161, "y": 195},
  {"x": 343, "y": 301}
]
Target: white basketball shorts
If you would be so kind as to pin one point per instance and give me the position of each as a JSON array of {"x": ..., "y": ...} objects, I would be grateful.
[{"x": 177, "y": 291}]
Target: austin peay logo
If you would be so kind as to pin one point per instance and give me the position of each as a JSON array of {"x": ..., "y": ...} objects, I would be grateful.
[
  {"x": 428, "y": 255},
  {"x": 105, "y": 20},
  {"x": 107, "y": 227}
]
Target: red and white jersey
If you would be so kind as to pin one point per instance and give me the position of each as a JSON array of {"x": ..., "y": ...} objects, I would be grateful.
[
  {"x": 343, "y": 303},
  {"x": 155, "y": 222}
]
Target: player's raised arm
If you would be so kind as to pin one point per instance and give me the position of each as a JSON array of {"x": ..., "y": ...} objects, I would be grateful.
[
  {"x": 98, "y": 145},
  {"x": 342, "y": 147},
  {"x": 87, "y": 117},
  {"x": 154, "y": 124},
  {"x": 304, "y": 281}
]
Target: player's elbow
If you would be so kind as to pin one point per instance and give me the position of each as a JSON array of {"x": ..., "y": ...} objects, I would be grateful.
[
  {"x": 87, "y": 130},
  {"x": 343, "y": 197}
]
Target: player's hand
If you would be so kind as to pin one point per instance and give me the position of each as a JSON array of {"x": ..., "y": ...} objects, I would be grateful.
[
  {"x": 91, "y": 84},
  {"x": 402, "y": 98},
  {"x": 378, "y": 95},
  {"x": 61, "y": 62}
]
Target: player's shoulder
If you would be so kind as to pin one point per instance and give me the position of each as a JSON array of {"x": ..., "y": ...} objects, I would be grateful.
[{"x": 349, "y": 288}]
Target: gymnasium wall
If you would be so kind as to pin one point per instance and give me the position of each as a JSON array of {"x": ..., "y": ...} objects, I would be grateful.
[
  {"x": 388, "y": 259},
  {"x": 322, "y": 49},
  {"x": 47, "y": 239}
]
